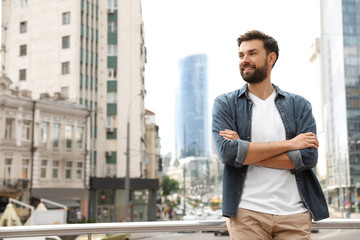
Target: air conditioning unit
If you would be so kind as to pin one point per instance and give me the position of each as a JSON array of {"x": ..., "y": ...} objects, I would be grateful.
[
  {"x": 110, "y": 129},
  {"x": 108, "y": 154},
  {"x": 110, "y": 10}
]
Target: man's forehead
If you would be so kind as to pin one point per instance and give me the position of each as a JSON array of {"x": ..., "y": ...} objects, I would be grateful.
[{"x": 251, "y": 45}]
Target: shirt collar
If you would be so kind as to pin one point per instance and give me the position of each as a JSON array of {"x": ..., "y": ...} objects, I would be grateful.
[{"x": 244, "y": 91}]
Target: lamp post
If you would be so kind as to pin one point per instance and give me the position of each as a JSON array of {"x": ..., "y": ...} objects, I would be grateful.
[{"x": 127, "y": 153}]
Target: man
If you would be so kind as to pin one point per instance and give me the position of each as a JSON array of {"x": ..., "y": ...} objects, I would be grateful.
[{"x": 266, "y": 139}]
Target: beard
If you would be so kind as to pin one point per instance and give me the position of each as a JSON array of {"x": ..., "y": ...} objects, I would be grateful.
[{"x": 257, "y": 76}]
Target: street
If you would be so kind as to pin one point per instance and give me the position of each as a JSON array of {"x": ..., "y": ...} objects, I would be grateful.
[
  {"x": 324, "y": 234},
  {"x": 336, "y": 234},
  {"x": 187, "y": 235}
]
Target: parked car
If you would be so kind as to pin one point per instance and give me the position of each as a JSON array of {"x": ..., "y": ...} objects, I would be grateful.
[{"x": 221, "y": 233}]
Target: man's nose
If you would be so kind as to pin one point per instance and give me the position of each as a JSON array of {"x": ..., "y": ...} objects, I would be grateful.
[{"x": 244, "y": 60}]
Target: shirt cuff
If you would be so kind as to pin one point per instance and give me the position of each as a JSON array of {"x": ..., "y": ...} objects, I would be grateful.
[
  {"x": 243, "y": 147},
  {"x": 296, "y": 159}
]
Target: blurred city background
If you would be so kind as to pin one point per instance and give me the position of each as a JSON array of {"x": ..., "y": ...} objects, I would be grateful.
[{"x": 105, "y": 106}]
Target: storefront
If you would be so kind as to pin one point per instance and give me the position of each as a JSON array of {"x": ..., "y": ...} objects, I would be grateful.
[{"x": 107, "y": 199}]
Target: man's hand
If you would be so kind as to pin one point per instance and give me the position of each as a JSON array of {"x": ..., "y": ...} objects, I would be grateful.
[
  {"x": 229, "y": 135},
  {"x": 305, "y": 140}
]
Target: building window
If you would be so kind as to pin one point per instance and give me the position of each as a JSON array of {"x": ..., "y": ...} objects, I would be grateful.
[
  {"x": 79, "y": 170},
  {"x": 112, "y": 73},
  {"x": 112, "y": 26},
  {"x": 55, "y": 169},
  {"x": 23, "y": 50},
  {"x": 112, "y": 49},
  {"x": 111, "y": 97},
  {"x": 9, "y": 128},
  {"x": 112, "y": 4},
  {"x": 43, "y": 168},
  {"x": 109, "y": 121},
  {"x": 66, "y": 42},
  {"x": 8, "y": 169},
  {"x": 110, "y": 170},
  {"x": 44, "y": 132},
  {"x": 25, "y": 168},
  {"x": 79, "y": 137},
  {"x": 68, "y": 136},
  {"x": 22, "y": 74},
  {"x": 66, "y": 18},
  {"x": 68, "y": 166},
  {"x": 65, "y": 68},
  {"x": 23, "y": 27},
  {"x": 55, "y": 135},
  {"x": 26, "y": 130},
  {"x": 24, "y": 3}
]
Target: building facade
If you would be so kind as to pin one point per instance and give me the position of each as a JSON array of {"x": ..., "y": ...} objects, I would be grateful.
[
  {"x": 153, "y": 161},
  {"x": 192, "y": 121},
  {"x": 43, "y": 149},
  {"x": 315, "y": 59},
  {"x": 91, "y": 53},
  {"x": 340, "y": 60}
]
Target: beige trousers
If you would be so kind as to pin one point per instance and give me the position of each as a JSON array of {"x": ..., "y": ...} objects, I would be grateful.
[{"x": 251, "y": 225}]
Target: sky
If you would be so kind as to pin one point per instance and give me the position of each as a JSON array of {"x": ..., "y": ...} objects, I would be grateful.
[{"x": 178, "y": 28}]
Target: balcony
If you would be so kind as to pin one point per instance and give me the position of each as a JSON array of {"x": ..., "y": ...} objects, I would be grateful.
[{"x": 13, "y": 184}]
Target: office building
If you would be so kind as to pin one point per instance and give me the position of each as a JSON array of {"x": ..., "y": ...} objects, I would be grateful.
[
  {"x": 192, "y": 120},
  {"x": 340, "y": 60}
]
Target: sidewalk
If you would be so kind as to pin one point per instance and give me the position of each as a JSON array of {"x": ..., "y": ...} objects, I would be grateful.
[{"x": 143, "y": 235}]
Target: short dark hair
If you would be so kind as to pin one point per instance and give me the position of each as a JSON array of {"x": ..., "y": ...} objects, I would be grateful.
[{"x": 270, "y": 44}]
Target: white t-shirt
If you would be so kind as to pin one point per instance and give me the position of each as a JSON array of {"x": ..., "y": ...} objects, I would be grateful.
[{"x": 269, "y": 190}]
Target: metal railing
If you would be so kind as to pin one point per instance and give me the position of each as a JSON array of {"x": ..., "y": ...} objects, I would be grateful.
[{"x": 146, "y": 227}]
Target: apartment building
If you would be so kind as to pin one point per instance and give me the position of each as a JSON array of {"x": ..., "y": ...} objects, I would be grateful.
[
  {"x": 43, "y": 149},
  {"x": 91, "y": 53}
]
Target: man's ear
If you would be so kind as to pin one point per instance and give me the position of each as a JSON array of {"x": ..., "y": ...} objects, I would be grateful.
[{"x": 272, "y": 58}]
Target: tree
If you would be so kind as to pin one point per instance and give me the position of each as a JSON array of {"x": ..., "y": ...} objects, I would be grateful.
[{"x": 169, "y": 185}]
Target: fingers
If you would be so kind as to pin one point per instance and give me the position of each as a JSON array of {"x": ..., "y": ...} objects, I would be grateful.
[
  {"x": 309, "y": 140},
  {"x": 229, "y": 135},
  {"x": 312, "y": 138}
]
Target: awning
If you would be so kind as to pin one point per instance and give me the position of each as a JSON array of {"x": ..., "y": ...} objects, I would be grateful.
[{"x": 70, "y": 203}]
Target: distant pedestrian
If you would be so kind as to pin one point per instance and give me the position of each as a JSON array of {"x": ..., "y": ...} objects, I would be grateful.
[
  {"x": 348, "y": 209},
  {"x": 266, "y": 139},
  {"x": 170, "y": 213}
]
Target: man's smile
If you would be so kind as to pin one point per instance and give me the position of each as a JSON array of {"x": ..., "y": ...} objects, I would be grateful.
[{"x": 247, "y": 68}]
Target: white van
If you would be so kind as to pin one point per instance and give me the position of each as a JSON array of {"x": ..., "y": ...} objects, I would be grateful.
[{"x": 35, "y": 238}]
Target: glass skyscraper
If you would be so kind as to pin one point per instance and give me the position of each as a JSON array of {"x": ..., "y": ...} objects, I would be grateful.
[
  {"x": 340, "y": 51},
  {"x": 192, "y": 123}
]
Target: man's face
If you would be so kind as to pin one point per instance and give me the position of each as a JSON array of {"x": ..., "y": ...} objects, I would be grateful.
[{"x": 253, "y": 61}]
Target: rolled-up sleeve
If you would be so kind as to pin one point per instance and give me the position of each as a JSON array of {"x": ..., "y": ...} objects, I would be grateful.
[
  {"x": 243, "y": 148},
  {"x": 229, "y": 152},
  {"x": 296, "y": 159}
]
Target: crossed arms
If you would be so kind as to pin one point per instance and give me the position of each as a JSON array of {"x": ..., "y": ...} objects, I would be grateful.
[{"x": 272, "y": 154}]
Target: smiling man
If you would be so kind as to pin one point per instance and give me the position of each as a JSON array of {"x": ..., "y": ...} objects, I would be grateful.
[{"x": 266, "y": 139}]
